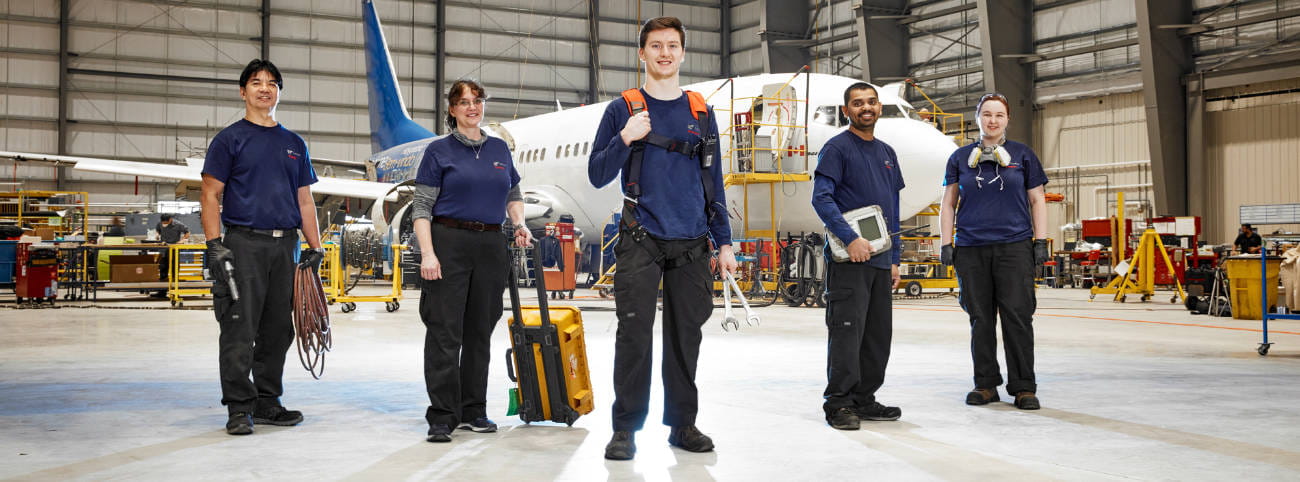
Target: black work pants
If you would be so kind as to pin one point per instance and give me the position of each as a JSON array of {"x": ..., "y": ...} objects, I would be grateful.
[
  {"x": 164, "y": 271},
  {"x": 860, "y": 327},
  {"x": 256, "y": 331},
  {"x": 459, "y": 313},
  {"x": 688, "y": 302},
  {"x": 998, "y": 281}
]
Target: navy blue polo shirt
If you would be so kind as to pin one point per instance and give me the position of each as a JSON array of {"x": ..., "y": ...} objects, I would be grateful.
[
  {"x": 853, "y": 173},
  {"x": 672, "y": 197},
  {"x": 995, "y": 208},
  {"x": 262, "y": 168},
  {"x": 472, "y": 187}
]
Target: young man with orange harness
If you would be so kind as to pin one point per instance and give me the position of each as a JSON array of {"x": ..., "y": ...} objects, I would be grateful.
[{"x": 673, "y": 203}]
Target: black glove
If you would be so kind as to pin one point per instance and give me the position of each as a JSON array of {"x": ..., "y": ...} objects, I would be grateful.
[
  {"x": 1040, "y": 252},
  {"x": 217, "y": 256},
  {"x": 945, "y": 254},
  {"x": 310, "y": 259}
]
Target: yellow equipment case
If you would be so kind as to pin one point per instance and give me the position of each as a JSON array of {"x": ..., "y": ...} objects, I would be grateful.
[{"x": 548, "y": 354}]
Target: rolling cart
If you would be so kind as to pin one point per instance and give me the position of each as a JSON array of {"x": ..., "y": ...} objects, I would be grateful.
[{"x": 1264, "y": 292}]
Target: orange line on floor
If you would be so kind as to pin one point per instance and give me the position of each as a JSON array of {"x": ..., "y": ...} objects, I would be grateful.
[{"x": 1254, "y": 330}]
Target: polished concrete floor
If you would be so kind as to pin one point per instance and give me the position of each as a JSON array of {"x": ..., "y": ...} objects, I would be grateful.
[{"x": 1130, "y": 391}]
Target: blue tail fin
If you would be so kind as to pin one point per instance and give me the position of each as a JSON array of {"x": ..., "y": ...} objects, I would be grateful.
[{"x": 389, "y": 124}]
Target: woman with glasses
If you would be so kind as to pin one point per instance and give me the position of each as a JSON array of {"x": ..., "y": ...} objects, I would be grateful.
[
  {"x": 994, "y": 194},
  {"x": 465, "y": 186}
]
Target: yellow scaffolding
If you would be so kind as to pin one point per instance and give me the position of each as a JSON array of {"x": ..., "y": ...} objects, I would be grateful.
[
  {"x": 23, "y": 207},
  {"x": 950, "y": 124}
]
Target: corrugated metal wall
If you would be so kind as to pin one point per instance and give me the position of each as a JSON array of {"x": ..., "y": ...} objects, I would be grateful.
[
  {"x": 1106, "y": 138},
  {"x": 1252, "y": 148}
]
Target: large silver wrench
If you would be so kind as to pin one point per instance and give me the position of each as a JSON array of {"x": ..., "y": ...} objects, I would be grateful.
[
  {"x": 728, "y": 316},
  {"x": 751, "y": 318}
]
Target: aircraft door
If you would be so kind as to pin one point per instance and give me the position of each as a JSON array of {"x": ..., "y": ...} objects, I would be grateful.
[{"x": 775, "y": 133}]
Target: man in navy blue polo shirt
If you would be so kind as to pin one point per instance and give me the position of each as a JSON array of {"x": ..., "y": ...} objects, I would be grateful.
[
  {"x": 666, "y": 238},
  {"x": 854, "y": 170},
  {"x": 256, "y": 182}
]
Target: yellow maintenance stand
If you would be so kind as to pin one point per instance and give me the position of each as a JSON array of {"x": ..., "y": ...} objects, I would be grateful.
[
  {"x": 334, "y": 281},
  {"x": 1142, "y": 265}
]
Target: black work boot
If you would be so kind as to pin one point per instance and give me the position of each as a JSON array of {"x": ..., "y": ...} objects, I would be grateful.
[
  {"x": 878, "y": 412},
  {"x": 439, "y": 433},
  {"x": 277, "y": 415},
  {"x": 239, "y": 423},
  {"x": 621, "y": 446},
  {"x": 690, "y": 439},
  {"x": 843, "y": 418}
]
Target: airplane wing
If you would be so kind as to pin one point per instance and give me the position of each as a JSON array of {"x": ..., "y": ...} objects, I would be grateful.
[{"x": 192, "y": 171}]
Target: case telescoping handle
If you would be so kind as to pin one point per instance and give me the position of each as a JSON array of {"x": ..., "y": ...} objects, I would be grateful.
[
  {"x": 514, "y": 293},
  {"x": 540, "y": 280}
]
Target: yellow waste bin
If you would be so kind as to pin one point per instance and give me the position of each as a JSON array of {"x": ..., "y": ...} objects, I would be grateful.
[{"x": 1243, "y": 279}]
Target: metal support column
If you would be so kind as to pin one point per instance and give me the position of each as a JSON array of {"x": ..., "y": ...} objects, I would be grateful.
[
  {"x": 440, "y": 67},
  {"x": 725, "y": 38},
  {"x": 266, "y": 29},
  {"x": 882, "y": 41},
  {"x": 65, "y": 7},
  {"x": 1166, "y": 56},
  {"x": 1006, "y": 30},
  {"x": 593, "y": 43},
  {"x": 1197, "y": 181},
  {"x": 782, "y": 20}
]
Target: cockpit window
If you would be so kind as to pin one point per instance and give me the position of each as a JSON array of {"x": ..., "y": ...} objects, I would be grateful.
[
  {"x": 828, "y": 115},
  {"x": 888, "y": 110}
]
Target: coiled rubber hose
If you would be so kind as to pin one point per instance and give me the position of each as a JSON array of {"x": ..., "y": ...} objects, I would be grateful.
[{"x": 311, "y": 321}]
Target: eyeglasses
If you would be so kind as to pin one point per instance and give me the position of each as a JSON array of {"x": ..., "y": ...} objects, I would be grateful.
[
  {"x": 992, "y": 95},
  {"x": 463, "y": 103}
]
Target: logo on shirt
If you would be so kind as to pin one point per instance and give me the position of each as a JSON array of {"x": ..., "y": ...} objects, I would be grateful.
[
  {"x": 292, "y": 155},
  {"x": 888, "y": 165},
  {"x": 692, "y": 129},
  {"x": 498, "y": 165}
]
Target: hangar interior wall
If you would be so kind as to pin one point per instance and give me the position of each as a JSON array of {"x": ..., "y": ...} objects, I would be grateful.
[{"x": 1252, "y": 144}]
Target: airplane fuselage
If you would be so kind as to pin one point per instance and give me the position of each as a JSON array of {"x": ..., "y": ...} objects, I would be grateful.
[{"x": 551, "y": 152}]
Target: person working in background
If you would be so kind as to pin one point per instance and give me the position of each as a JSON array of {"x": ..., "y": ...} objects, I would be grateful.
[
  {"x": 1248, "y": 241},
  {"x": 170, "y": 231}
]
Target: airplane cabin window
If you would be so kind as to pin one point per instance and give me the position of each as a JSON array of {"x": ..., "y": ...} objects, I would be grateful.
[
  {"x": 558, "y": 151},
  {"x": 827, "y": 114},
  {"x": 566, "y": 150},
  {"x": 586, "y": 148}
]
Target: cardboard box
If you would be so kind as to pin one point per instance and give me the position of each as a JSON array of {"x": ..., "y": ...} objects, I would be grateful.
[
  {"x": 45, "y": 233},
  {"x": 133, "y": 268}
]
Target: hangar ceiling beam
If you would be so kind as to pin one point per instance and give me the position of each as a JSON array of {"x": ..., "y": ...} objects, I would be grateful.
[
  {"x": 1006, "y": 27},
  {"x": 1166, "y": 57},
  {"x": 882, "y": 40},
  {"x": 782, "y": 20}
]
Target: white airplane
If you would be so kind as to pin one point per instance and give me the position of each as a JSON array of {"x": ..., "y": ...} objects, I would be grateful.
[{"x": 551, "y": 150}]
